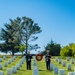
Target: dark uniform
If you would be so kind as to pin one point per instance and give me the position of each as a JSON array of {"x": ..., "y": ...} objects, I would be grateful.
[
  {"x": 47, "y": 58},
  {"x": 28, "y": 61}
]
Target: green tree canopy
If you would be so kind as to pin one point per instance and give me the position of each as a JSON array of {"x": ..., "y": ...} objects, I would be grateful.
[
  {"x": 29, "y": 29},
  {"x": 10, "y": 34},
  {"x": 19, "y": 31},
  {"x": 21, "y": 48},
  {"x": 54, "y": 48},
  {"x": 68, "y": 50}
]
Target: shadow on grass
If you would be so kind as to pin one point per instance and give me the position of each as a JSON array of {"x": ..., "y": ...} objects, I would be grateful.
[
  {"x": 41, "y": 70},
  {"x": 22, "y": 70}
]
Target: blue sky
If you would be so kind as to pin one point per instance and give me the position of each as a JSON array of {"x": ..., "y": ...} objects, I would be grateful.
[{"x": 55, "y": 17}]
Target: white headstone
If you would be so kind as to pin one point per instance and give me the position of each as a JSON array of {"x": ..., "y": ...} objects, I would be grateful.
[
  {"x": 5, "y": 64},
  {"x": 4, "y": 57},
  {"x": 9, "y": 71},
  {"x": 44, "y": 57},
  {"x": 14, "y": 70},
  {"x": 9, "y": 61},
  {"x": 18, "y": 66},
  {"x": 14, "y": 57},
  {"x": 61, "y": 72},
  {"x": 74, "y": 69},
  {"x": 1, "y": 73},
  {"x": 56, "y": 58},
  {"x": 35, "y": 69},
  {"x": 63, "y": 64},
  {"x": 51, "y": 66},
  {"x": 72, "y": 61},
  {"x": 68, "y": 66},
  {"x": 55, "y": 70},
  {"x": 0, "y": 59},
  {"x": 0, "y": 66},
  {"x": 20, "y": 63},
  {"x": 71, "y": 73},
  {"x": 59, "y": 61},
  {"x": 74, "y": 73},
  {"x": 67, "y": 58}
]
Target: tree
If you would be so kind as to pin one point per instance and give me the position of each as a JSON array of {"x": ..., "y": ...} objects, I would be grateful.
[
  {"x": 29, "y": 29},
  {"x": 68, "y": 50},
  {"x": 54, "y": 48},
  {"x": 72, "y": 48},
  {"x": 3, "y": 47},
  {"x": 21, "y": 48},
  {"x": 10, "y": 34},
  {"x": 65, "y": 51}
]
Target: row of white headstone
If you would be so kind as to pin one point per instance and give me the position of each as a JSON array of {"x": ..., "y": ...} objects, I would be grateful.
[
  {"x": 6, "y": 63},
  {"x": 67, "y": 58},
  {"x": 13, "y": 70},
  {"x": 64, "y": 63},
  {"x": 4, "y": 58},
  {"x": 52, "y": 68},
  {"x": 35, "y": 68},
  {"x": 72, "y": 73},
  {"x": 60, "y": 71}
]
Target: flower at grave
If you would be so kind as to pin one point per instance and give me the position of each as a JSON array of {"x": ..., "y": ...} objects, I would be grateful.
[{"x": 39, "y": 57}]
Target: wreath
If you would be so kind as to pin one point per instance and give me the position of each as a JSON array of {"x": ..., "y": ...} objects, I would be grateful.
[{"x": 39, "y": 57}]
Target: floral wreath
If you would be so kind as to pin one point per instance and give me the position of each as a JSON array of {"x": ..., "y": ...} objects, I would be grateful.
[{"x": 39, "y": 57}]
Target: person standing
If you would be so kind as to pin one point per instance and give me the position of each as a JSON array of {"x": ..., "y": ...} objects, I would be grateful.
[
  {"x": 47, "y": 59},
  {"x": 28, "y": 60}
]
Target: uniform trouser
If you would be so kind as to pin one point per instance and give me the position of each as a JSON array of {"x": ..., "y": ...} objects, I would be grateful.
[
  {"x": 28, "y": 63},
  {"x": 48, "y": 65}
]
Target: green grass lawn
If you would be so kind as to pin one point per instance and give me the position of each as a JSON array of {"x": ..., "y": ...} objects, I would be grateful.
[{"x": 40, "y": 64}]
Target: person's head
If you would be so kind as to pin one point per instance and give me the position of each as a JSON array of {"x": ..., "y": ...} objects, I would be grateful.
[
  {"x": 48, "y": 52},
  {"x": 28, "y": 52}
]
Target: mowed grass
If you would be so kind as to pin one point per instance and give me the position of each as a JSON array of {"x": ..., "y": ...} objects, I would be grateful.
[{"x": 40, "y": 64}]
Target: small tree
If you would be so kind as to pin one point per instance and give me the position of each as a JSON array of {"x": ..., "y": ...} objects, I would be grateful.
[{"x": 21, "y": 48}]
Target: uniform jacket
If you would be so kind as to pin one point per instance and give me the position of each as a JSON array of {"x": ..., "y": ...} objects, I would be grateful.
[
  {"x": 47, "y": 57},
  {"x": 28, "y": 57}
]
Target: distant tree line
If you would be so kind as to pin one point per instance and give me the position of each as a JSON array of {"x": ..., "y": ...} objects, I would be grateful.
[
  {"x": 55, "y": 49},
  {"x": 18, "y": 34}
]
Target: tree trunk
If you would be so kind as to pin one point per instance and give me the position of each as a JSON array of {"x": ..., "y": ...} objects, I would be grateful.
[
  {"x": 22, "y": 54},
  {"x": 26, "y": 41},
  {"x": 26, "y": 46},
  {"x": 12, "y": 51}
]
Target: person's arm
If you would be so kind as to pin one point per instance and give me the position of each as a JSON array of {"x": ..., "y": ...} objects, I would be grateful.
[
  {"x": 26, "y": 56},
  {"x": 50, "y": 56},
  {"x": 31, "y": 56}
]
